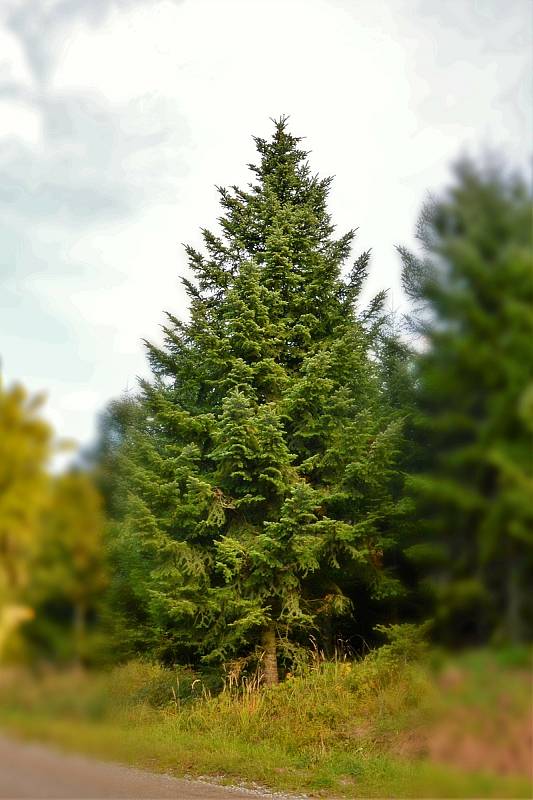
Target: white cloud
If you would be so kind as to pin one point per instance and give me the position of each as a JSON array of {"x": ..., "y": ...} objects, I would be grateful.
[
  {"x": 147, "y": 105},
  {"x": 20, "y": 122},
  {"x": 13, "y": 64}
]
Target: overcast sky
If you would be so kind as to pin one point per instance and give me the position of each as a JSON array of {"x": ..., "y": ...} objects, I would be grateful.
[{"x": 118, "y": 117}]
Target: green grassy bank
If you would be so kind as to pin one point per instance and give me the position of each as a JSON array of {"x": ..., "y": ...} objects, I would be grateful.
[{"x": 375, "y": 728}]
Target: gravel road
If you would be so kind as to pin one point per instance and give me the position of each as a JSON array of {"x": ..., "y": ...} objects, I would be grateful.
[{"x": 32, "y": 771}]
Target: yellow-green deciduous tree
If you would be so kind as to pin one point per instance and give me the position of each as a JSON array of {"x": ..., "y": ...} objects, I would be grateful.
[
  {"x": 69, "y": 570},
  {"x": 26, "y": 444}
]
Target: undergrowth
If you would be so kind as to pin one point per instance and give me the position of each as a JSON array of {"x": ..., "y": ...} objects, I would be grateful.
[{"x": 337, "y": 726}]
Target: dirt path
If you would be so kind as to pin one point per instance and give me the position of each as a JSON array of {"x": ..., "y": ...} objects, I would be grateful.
[{"x": 33, "y": 772}]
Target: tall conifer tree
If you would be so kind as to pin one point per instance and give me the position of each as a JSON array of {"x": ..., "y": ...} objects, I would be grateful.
[
  {"x": 260, "y": 476},
  {"x": 472, "y": 293}
]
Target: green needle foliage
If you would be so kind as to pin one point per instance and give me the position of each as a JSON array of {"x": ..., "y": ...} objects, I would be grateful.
[
  {"x": 473, "y": 292},
  {"x": 260, "y": 472}
]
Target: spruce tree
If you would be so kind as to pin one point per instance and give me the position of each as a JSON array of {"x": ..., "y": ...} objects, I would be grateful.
[
  {"x": 260, "y": 474},
  {"x": 472, "y": 294}
]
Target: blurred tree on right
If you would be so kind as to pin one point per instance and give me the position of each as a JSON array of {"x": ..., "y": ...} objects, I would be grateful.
[{"x": 471, "y": 290}]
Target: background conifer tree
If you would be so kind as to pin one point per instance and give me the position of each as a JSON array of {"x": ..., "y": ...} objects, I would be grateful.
[
  {"x": 260, "y": 473},
  {"x": 124, "y": 612},
  {"x": 472, "y": 293}
]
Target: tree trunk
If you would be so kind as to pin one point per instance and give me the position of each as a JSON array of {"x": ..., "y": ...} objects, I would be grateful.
[
  {"x": 513, "y": 610},
  {"x": 79, "y": 631},
  {"x": 270, "y": 663}
]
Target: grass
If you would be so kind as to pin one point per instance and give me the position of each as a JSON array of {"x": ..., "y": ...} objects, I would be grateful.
[{"x": 338, "y": 729}]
